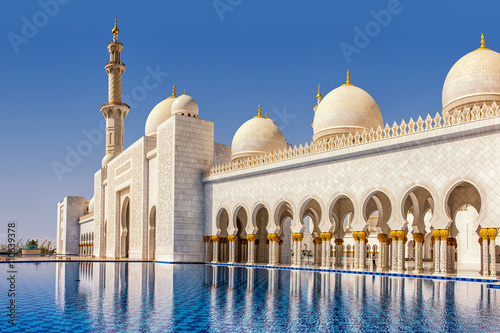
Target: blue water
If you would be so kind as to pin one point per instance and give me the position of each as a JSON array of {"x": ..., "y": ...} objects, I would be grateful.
[{"x": 155, "y": 297}]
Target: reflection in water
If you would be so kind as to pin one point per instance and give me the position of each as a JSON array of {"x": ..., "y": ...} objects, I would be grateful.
[{"x": 151, "y": 296}]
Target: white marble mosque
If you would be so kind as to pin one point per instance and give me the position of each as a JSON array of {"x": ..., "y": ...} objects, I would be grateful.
[{"x": 362, "y": 195}]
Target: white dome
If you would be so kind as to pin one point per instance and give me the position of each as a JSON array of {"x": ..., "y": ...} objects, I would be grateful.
[
  {"x": 257, "y": 136},
  {"x": 474, "y": 79},
  {"x": 185, "y": 105},
  {"x": 106, "y": 159},
  {"x": 160, "y": 113},
  {"x": 91, "y": 205},
  {"x": 346, "y": 109}
]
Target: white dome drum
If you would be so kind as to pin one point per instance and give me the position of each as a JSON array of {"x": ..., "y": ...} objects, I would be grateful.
[
  {"x": 257, "y": 136},
  {"x": 185, "y": 105},
  {"x": 347, "y": 109},
  {"x": 474, "y": 79}
]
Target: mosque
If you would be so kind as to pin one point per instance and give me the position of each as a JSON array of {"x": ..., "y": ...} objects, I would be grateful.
[{"x": 363, "y": 195}]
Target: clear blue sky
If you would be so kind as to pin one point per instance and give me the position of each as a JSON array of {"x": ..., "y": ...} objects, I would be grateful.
[{"x": 231, "y": 56}]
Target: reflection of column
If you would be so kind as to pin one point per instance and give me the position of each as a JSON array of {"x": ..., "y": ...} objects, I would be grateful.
[
  {"x": 271, "y": 280},
  {"x": 382, "y": 258},
  {"x": 215, "y": 240},
  {"x": 251, "y": 248},
  {"x": 250, "y": 274},
  {"x": 486, "y": 265},
  {"x": 394, "y": 248},
  {"x": 230, "y": 282},
  {"x": 362, "y": 249},
  {"x": 273, "y": 243},
  {"x": 436, "y": 236},
  {"x": 444, "y": 249},
  {"x": 419, "y": 259},
  {"x": 356, "y": 249},
  {"x": 492, "y": 233},
  {"x": 232, "y": 248}
]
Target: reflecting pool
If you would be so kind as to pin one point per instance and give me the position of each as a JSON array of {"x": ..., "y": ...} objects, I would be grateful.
[{"x": 155, "y": 297}]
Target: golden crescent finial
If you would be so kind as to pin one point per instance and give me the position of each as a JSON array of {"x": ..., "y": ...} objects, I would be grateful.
[
  {"x": 348, "y": 78},
  {"x": 115, "y": 30},
  {"x": 318, "y": 96}
]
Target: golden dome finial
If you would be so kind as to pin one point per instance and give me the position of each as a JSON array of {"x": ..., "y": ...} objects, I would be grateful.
[
  {"x": 483, "y": 45},
  {"x": 259, "y": 114},
  {"x": 115, "y": 30},
  {"x": 185, "y": 92},
  {"x": 174, "y": 95},
  {"x": 348, "y": 80},
  {"x": 318, "y": 96}
]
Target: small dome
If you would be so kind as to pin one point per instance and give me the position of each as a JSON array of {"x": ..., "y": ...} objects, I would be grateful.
[
  {"x": 474, "y": 79},
  {"x": 106, "y": 159},
  {"x": 161, "y": 112},
  {"x": 91, "y": 205},
  {"x": 257, "y": 136},
  {"x": 345, "y": 110},
  {"x": 185, "y": 105}
]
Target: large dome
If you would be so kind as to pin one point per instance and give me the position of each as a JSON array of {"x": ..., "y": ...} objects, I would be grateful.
[
  {"x": 474, "y": 79},
  {"x": 161, "y": 112},
  {"x": 257, "y": 136},
  {"x": 345, "y": 110}
]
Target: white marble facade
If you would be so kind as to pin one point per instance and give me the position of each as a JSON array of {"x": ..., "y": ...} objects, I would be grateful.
[{"x": 357, "y": 196}]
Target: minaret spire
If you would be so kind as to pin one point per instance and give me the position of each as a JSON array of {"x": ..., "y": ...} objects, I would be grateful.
[{"x": 114, "y": 110}]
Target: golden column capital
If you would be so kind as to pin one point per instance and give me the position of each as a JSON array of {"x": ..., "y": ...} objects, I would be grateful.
[
  {"x": 444, "y": 234},
  {"x": 251, "y": 238},
  {"x": 400, "y": 234},
  {"x": 206, "y": 239},
  {"x": 393, "y": 234},
  {"x": 328, "y": 236},
  {"x": 436, "y": 234},
  {"x": 339, "y": 241},
  {"x": 383, "y": 238},
  {"x": 451, "y": 241},
  {"x": 215, "y": 239},
  {"x": 355, "y": 235},
  {"x": 484, "y": 233},
  {"x": 232, "y": 238},
  {"x": 418, "y": 238},
  {"x": 362, "y": 235},
  {"x": 492, "y": 233},
  {"x": 317, "y": 240},
  {"x": 297, "y": 236},
  {"x": 322, "y": 236},
  {"x": 272, "y": 237}
]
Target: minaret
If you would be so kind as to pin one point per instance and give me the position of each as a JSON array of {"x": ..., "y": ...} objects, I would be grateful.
[{"x": 114, "y": 110}]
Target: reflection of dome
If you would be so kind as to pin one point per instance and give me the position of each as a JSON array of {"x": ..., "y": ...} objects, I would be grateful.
[
  {"x": 160, "y": 113},
  {"x": 346, "y": 109},
  {"x": 257, "y": 136},
  {"x": 185, "y": 105},
  {"x": 474, "y": 79},
  {"x": 91, "y": 205}
]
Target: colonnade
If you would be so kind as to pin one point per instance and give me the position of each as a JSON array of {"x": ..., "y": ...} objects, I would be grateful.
[{"x": 391, "y": 254}]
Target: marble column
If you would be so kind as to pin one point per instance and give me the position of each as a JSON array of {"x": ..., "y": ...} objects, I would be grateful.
[
  {"x": 326, "y": 238},
  {"x": 244, "y": 250},
  {"x": 437, "y": 250},
  {"x": 400, "y": 261},
  {"x": 356, "y": 249},
  {"x": 232, "y": 248},
  {"x": 297, "y": 248},
  {"x": 207, "y": 248},
  {"x": 452, "y": 242},
  {"x": 317, "y": 251},
  {"x": 323, "y": 250},
  {"x": 419, "y": 253},
  {"x": 362, "y": 249},
  {"x": 382, "y": 257},
  {"x": 215, "y": 252},
  {"x": 480, "y": 240},
  {"x": 486, "y": 253},
  {"x": 394, "y": 250},
  {"x": 492, "y": 233},
  {"x": 273, "y": 243},
  {"x": 338, "y": 252},
  {"x": 443, "y": 260},
  {"x": 251, "y": 249}
]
